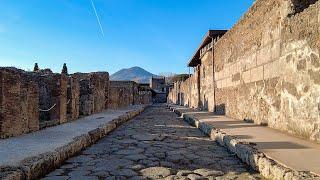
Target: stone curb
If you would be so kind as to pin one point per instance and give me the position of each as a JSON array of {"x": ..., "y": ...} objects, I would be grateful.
[
  {"x": 38, "y": 166},
  {"x": 246, "y": 151}
]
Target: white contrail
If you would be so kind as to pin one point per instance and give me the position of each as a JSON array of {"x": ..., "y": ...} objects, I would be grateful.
[{"x": 98, "y": 19}]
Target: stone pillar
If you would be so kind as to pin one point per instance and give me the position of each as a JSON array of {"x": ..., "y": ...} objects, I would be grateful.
[
  {"x": 107, "y": 91},
  {"x": 98, "y": 83},
  {"x": 33, "y": 104},
  {"x": 86, "y": 97},
  {"x": 59, "y": 98},
  {"x": 73, "y": 98}
]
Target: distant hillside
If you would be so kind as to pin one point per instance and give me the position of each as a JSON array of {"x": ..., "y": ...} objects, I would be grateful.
[{"x": 136, "y": 74}]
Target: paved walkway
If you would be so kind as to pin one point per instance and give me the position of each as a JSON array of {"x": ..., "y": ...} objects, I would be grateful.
[
  {"x": 293, "y": 152},
  {"x": 155, "y": 145},
  {"x": 16, "y": 149}
]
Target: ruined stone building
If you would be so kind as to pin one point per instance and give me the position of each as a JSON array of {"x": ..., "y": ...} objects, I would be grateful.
[
  {"x": 159, "y": 88},
  {"x": 18, "y": 103},
  {"x": 266, "y": 69},
  {"x": 30, "y": 101},
  {"x": 94, "y": 92},
  {"x": 126, "y": 93},
  {"x": 158, "y": 83}
]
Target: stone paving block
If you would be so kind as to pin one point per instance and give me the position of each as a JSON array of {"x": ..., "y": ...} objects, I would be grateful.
[{"x": 135, "y": 151}]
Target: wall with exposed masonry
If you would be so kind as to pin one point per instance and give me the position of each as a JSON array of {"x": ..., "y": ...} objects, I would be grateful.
[
  {"x": 30, "y": 101},
  {"x": 122, "y": 93},
  {"x": 73, "y": 96},
  {"x": 18, "y": 97},
  {"x": 267, "y": 68},
  {"x": 144, "y": 97},
  {"x": 93, "y": 92},
  {"x": 186, "y": 93},
  {"x": 52, "y": 96},
  {"x": 206, "y": 99}
]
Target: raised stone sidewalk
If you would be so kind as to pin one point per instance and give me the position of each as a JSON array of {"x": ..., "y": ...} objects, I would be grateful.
[
  {"x": 274, "y": 154},
  {"x": 33, "y": 155}
]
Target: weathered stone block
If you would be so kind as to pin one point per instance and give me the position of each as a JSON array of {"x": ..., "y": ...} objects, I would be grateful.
[
  {"x": 264, "y": 55},
  {"x": 257, "y": 74},
  {"x": 276, "y": 50},
  {"x": 246, "y": 76}
]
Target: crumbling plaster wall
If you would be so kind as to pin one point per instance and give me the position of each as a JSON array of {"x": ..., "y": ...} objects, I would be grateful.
[{"x": 267, "y": 68}]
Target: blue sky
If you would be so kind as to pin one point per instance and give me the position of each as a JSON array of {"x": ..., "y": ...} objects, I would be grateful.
[{"x": 158, "y": 35}]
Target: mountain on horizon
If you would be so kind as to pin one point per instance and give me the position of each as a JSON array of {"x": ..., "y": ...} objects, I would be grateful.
[{"x": 136, "y": 74}]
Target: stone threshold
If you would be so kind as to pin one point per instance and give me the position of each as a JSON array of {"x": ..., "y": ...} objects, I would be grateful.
[
  {"x": 37, "y": 166},
  {"x": 246, "y": 151}
]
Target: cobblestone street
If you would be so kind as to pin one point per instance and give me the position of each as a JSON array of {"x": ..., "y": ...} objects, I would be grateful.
[{"x": 154, "y": 145}]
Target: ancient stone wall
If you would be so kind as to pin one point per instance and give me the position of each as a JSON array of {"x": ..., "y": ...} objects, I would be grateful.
[
  {"x": 173, "y": 93},
  {"x": 267, "y": 68},
  {"x": 30, "y": 101},
  {"x": 52, "y": 96},
  {"x": 86, "y": 97},
  {"x": 144, "y": 97},
  {"x": 206, "y": 99},
  {"x": 93, "y": 92},
  {"x": 73, "y": 96},
  {"x": 107, "y": 91},
  {"x": 99, "y": 89},
  {"x": 158, "y": 84},
  {"x": 18, "y": 100},
  {"x": 121, "y": 94},
  {"x": 186, "y": 93},
  {"x": 135, "y": 93},
  {"x": 189, "y": 90}
]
